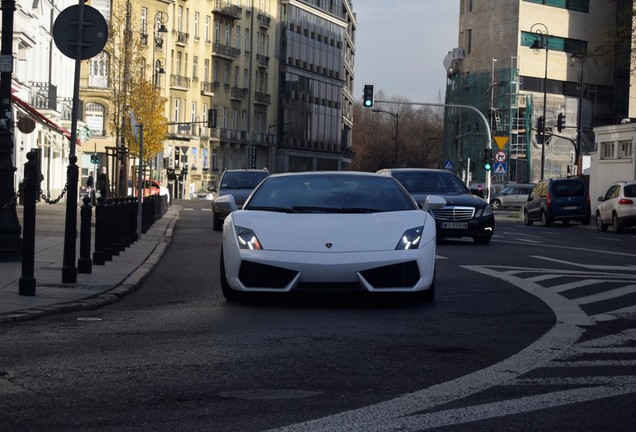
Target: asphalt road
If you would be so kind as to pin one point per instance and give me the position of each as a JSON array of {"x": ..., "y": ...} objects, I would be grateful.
[{"x": 524, "y": 335}]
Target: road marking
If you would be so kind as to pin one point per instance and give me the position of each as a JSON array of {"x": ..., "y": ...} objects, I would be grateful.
[
  {"x": 607, "y": 295},
  {"x": 572, "y": 285},
  {"x": 589, "y": 266}
]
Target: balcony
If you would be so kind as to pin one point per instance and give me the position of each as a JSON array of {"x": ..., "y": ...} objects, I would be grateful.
[
  {"x": 262, "y": 61},
  {"x": 262, "y": 98},
  {"x": 181, "y": 38},
  {"x": 179, "y": 82},
  {"x": 227, "y": 10},
  {"x": 225, "y": 51},
  {"x": 43, "y": 96},
  {"x": 207, "y": 88},
  {"x": 264, "y": 21},
  {"x": 238, "y": 93}
]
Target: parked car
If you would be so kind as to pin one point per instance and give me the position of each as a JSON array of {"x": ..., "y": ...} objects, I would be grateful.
[
  {"x": 563, "y": 199},
  {"x": 239, "y": 183},
  {"x": 328, "y": 231},
  {"x": 464, "y": 215},
  {"x": 203, "y": 194},
  {"x": 511, "y": 196},
  {"x": 617, "y": 207},
  {"x": 150, "y": 187}
]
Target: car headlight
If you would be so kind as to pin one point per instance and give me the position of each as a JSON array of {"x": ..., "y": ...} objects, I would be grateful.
[
  {"x": 247, "y": 239},
  {"x": 486, "y": 211},
  {"x": 410, "y": 239}
]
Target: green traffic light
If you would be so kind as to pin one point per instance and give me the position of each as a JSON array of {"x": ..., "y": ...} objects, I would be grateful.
[
  {"x": 487, "y": 167},
  {"x": 367, "y": 103}
]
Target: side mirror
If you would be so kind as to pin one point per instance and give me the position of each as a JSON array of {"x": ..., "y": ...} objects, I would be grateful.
[
  {"x": 226, "y": 203},
  {"x": 433, "y": 202},
  {"x": 600, "y": 199}
]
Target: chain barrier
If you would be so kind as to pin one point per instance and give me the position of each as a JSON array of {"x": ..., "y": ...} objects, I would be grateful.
[
  {"x": 56, "y": 200},
  {"x": 14, "y": 199}
]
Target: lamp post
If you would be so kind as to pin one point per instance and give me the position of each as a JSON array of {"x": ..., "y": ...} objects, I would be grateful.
[
  {"x": 580, "y": 58},
  {"x": 396, "y": 147},
  {"x": 541, "y": 42},
  {"x": 10, "y": 229}
]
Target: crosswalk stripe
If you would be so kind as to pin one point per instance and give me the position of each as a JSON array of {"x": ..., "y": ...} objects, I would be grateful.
[{"x": 607, "y": 295}]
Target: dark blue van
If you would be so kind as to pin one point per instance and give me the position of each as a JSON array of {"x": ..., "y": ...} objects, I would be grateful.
[{"x": 563, "y": 199}]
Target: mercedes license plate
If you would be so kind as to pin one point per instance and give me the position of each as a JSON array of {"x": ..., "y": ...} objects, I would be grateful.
[{"x": 455, "y": 225}]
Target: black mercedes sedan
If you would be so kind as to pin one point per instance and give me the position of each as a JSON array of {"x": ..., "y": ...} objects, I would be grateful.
[{"x": 464, "y": 215}]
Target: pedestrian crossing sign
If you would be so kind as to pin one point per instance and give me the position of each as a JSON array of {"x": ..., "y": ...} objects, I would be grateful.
[
  {"x": 448, "y": 165},
  {"x": 500, "y": 168}
]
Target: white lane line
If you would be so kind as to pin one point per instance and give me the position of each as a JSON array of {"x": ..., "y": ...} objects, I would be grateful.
[
  {"x": 614, "y": 380},
  {"x": 622, "y": 338},
  {"x": 458, "y": 416},
  {"x": 544, "y": 277},
  {"x": 592, "y": 363},
  {"x": 589, "y": 266},
  {"x": 206, "y": 209},
  {"x": 607, "y": 295},
  {"x": 629, "y": 310},
  {"x": 187, "y": 209},
  {"x": 385, "y": 416},
  {"x": 621, "y": 350},
  {"x": 572, "y": 285}
]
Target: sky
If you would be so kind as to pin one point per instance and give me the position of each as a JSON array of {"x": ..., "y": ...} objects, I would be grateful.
[{"x": 401, "y": 44}]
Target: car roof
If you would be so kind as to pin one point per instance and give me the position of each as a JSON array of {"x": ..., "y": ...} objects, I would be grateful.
[
  {"x": 414, "y": 170},
  {"x": 312, "y": 173}
]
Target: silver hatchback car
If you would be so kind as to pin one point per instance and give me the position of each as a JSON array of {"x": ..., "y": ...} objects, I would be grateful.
[{"x": 617, "y": 207}]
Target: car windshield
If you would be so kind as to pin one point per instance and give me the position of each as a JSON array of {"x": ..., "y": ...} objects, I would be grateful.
[
  {"x": 242, "y": 179},
  {"x": 330, "y": 193},
  {"x": 431, "y": 182}
]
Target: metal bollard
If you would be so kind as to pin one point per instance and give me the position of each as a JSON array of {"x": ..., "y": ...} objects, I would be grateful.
[
  {"x": 31, "y": 185},
  {"x": 84, "y": 263},
  {"x": 108, "y": 236},
  {"x": 99, "y": 256}
]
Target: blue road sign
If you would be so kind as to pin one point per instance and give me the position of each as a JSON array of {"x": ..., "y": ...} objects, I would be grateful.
[
  {"x": 500, "y": 167},
  {"x": 448, "y": 165}
]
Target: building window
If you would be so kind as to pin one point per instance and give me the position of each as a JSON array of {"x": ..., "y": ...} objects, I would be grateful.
[
  {"x": 176, "y": 110},
  {"x": 574, "y": 5},
  {"x": 469, "y": 41},
  {"x": 607, "y": 150},
  {"x": 195, "y": 66},
  {"x": 98, "y": 74},
  {"x": 144, "y": 20},
  {"x": 207, "y": 28},
  {"x": 206, "y": 69},
  {"x": 625, "y": 149},
  {"x": 103, "y": 6},
  {"x": 555, "y": 43},
  {"x": 94, "y": 118},
  {"x": 196, "y": 25},
  {"x": 247, "y": 40}
]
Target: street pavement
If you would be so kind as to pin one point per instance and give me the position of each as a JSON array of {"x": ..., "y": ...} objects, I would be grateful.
[{"x": 104, "y": 285}]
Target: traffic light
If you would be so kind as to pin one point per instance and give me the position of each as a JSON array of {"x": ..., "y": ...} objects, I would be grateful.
[
  {"x": 560, "y": 122},
  {"x": 487, "y": 161},
  {"x": 212, "y": 118},
  {"x": 540, "y": 124},
  {"x": 367, "y": 96},
  {"x": 94, "y": 159}
]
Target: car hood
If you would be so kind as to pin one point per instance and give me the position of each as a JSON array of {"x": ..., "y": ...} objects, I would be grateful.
[
  {"x": 332, "y": 232},
  {"x": 456, "y": 200}
]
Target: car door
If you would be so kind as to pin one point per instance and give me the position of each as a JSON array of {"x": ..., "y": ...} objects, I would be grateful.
[
  {"x": 606, "y": 205},
  {"x": 517, "y": 197},
  {"x": 534, "y": 200}
]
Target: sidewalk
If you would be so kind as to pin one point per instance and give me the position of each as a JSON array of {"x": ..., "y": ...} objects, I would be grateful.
[{"x": 106, "y": 284}]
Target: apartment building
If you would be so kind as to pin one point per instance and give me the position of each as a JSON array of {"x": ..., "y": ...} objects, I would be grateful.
[
  {"x": 521, "y": 60},
  {"x": 230, "y": 71}
]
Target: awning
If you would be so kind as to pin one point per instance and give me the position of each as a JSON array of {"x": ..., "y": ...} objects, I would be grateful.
[{"x": 42, "y": 119}]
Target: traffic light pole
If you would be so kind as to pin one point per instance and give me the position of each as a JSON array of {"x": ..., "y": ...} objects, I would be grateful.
[{"x": 479, "y": 113}]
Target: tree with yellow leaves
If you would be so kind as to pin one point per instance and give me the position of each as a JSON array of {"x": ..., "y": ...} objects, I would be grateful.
[{"x": 148, "y": 106}]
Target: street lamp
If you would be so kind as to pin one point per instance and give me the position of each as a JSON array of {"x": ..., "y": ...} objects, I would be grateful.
[
  {"x": 396, "y": 148},
  {"x": 159, "y": 69},
  {"x": 541, "y": 42},
  {"x": 580, "y": 58}
]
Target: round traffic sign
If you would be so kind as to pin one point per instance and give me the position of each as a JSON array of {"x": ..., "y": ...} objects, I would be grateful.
[
  {"x": 94, "y": 32},
  {"x": 500, "y": 156}
]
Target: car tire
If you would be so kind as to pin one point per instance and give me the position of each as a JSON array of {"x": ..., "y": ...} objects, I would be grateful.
[
  {"x": 526, "y": 219},
  {"x": 217, "y": 224},
  {"x": 616, "y": 222},
  {"x": 482, "y": 240},
  {"x": 599, "y": 223},
  {"x": 545, "y": 219},
  {"x": 495, "y": 204},
  {"x": 229, "y": 294}
]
